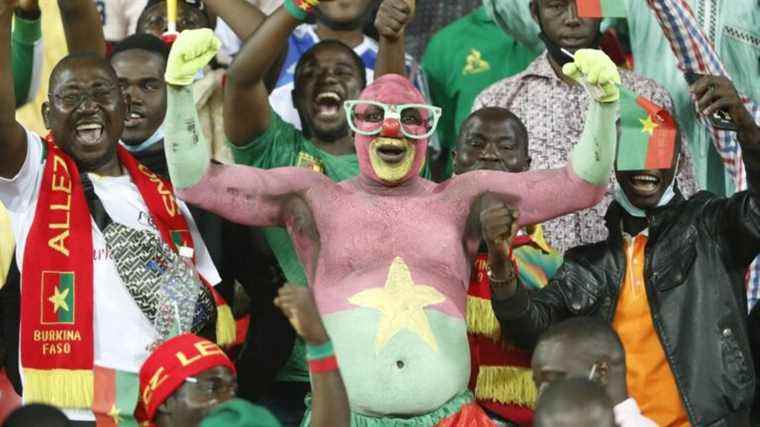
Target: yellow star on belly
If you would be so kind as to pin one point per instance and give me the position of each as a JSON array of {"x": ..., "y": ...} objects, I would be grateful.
[
  {"x": 401, "y": 303},
  {"x": 59, "y": 299}
]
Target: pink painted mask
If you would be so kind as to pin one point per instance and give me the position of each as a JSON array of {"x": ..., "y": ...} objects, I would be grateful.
[{"x": 390, "y": 156}]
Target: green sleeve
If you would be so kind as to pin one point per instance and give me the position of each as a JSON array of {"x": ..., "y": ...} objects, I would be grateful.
[
  {"x": 25, "y": 58},
  {"x": 187, "y": 153},
  {"x": 592, "y": 157},
  {"x": 277, "y": 147},
  {"x": 438, "y": 80},
  {"x": 514, "y": 17}
]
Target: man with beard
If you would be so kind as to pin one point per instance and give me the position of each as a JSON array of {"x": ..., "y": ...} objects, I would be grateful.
[
  {"x": 97, "y": 235},
  {"x": 494, "y": 139},
  {"x": 387, "y": 253},
  {"x": 551, "y": 107},
  {"x": 670, "y": 278}
]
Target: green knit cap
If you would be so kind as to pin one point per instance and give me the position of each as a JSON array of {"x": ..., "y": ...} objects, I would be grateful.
[{"x": 239, "y": 413}]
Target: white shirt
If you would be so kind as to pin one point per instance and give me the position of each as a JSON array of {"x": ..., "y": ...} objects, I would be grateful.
[
  {"x": 122, "y": 332},
  {"x": 628, "y": 414}
]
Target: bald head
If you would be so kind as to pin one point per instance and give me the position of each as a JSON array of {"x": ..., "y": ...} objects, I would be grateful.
[
  {"x": 76, "y": 61},
  {"x": 492, "y": 138},
  {"x": 572, "y": 403},
  {"x": 581, "y": 347}
]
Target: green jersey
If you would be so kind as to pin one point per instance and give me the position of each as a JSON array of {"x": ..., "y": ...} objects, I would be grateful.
[
  {"x": 283, "y": 145},
  {"x": 461, "y": 60}
]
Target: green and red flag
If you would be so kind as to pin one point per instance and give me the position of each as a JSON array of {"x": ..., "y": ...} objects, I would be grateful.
[
  {"x": 601, "y": 8},
  {"x": 58, "y": 297},
  {"x": 115, "y": 398},
  {"x": 647, "y": 135}
]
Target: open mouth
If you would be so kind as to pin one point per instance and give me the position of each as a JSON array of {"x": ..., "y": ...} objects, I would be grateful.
[
  {"x": 391, "y": 151},
  {"x": 134, "y": 119},
  {"x": 645, "y": 183},
  {"x": 327, "y": 105},
  {"x": 89, "y": 133}
]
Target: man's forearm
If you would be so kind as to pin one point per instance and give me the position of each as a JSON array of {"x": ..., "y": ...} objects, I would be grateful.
[
  {"x": 330, "y": 401},
  {"x": 243, "y": 17},
  {"x": 82, "y": 26},
  {"x": 390, "y": 57},
  {"x": 12, "y": 138},
  {"x": 251, "y": 64},
  {"x": 26, "y": 57},
  {"x": 592, "y": 157},
  {"x": 187, "y": 155}
]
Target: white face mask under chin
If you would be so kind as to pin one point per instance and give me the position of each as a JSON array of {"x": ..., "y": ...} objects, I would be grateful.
[
  {"x": 666, "y": 197},
  {"x": 632, "y": 210},
  {"x": 157, "y": 136}
]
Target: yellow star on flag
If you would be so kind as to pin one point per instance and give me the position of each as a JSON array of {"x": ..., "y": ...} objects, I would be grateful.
[
  {"x": 114, "y": 414},
  {"x": 649, "y": 125},
  {"x": 59, "y": 299},
  {"x": 401, "y": 303}
]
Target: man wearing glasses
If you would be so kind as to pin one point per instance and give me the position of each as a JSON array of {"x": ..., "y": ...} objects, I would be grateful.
[
  {"x": 79, "y": 203},
  {"x": 388, "y": 253}
]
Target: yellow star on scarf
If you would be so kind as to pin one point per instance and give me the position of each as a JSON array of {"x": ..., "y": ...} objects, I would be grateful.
[
  {"x": 649, "y": 125},
  {"x": 401, "y": 303},
  {"x": 114, "y": 414},
  {"x": 59, "y": 299}
]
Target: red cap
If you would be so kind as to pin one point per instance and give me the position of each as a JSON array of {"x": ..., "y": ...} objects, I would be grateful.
[{"x": 166, "y": 369}]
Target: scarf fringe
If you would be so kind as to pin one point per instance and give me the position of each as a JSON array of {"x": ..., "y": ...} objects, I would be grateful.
[
  {"x": 507, "y": 385},
  {"x": 481, "y": 319},
  {"x": 63, "y": 388},
  {"x": 226, "y": 331}
]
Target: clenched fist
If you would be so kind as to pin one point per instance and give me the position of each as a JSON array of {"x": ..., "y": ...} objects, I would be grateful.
[
  {"x": 192, "y": 50},
  {"x": 393, "y": 17},
  {"x": 594, "y": 68},
  {"x": 498, "y": 224},
  {"x": 299, "y": 307}
]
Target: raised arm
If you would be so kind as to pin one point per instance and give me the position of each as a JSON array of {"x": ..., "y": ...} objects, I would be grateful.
[
  {"x": 26, "y": 43},
  {"x": 241, "y": 194},
  {"x": 245, "y": 95},
  {"x": 329, "y": 397},
  {"x": 82, "y": 26},
  {"x": 12, "y": 137},
  {"x": 242, "y": 17},
  {"x": 546, "y": 194},
  {"x": 391, "y": 21}
]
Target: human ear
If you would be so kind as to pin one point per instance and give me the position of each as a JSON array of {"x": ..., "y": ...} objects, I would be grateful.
[{"x": 45, "y": 110}]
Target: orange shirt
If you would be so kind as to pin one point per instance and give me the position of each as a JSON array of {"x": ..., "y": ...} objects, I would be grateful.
[{"x": 650, "y": 380}]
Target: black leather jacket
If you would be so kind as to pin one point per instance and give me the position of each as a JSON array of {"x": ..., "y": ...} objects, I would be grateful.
[{"x": 695, "y": 260}]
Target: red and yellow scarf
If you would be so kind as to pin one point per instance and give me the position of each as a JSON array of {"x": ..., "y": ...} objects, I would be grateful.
[{"x": 57, "y": 342}]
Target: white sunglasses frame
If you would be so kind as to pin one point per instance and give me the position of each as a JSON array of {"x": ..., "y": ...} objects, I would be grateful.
[{"x": 392, "y": 111}]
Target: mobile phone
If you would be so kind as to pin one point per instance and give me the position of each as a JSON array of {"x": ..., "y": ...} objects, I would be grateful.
[{"x": 720, "y": 119}]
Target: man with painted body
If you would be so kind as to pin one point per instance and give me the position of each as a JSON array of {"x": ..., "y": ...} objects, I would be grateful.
[{"x": 395, "y": 310}]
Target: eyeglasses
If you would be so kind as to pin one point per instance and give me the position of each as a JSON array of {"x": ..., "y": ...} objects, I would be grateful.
[
  {"x": 73, "y": 98},
  {"x": 203, "y": 390},
  {"x": 418, "y": 121}
]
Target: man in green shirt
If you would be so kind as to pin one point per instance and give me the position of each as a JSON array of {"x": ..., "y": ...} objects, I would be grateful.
[{"x": 461, "y": 60}]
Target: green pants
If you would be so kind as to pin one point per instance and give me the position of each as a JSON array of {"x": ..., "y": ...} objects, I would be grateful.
[{"x": 450, "y": 408}]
